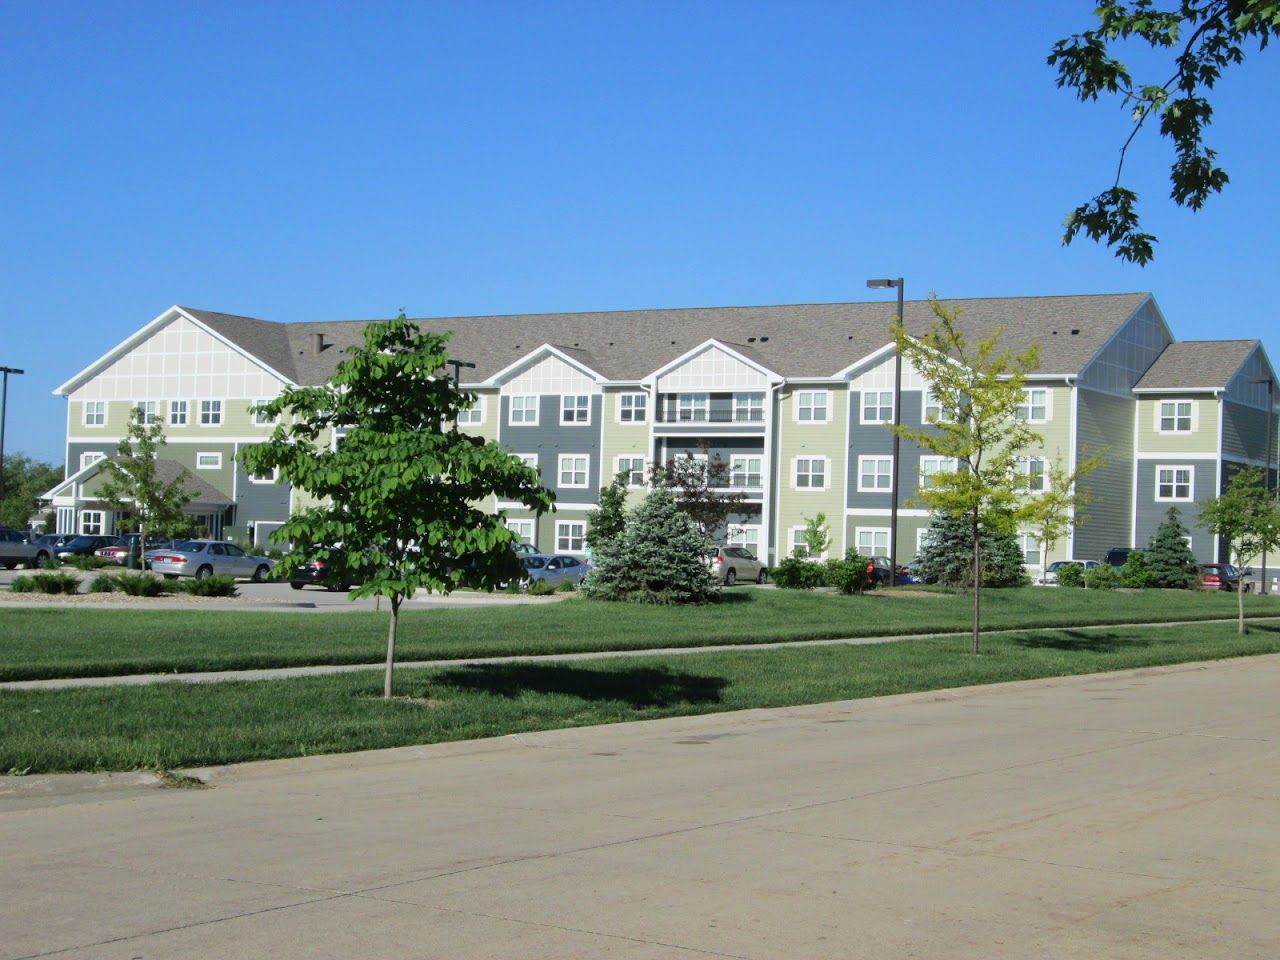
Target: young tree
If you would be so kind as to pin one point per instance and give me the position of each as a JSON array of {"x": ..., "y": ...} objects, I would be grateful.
[
  {"x": 1247, "y": 519},
  {"x": 132, "y": 486},
  {"x": 980, "y": 390},
  {"x": 1207, "y": 37},
  {"x": 1051, "y": 512},
  {"x": 606, "y": 521},
  {"x": 1171, "y": 562},
  {"x": 699, "y": 484},
  {"x": 402, "y": 491},
  {"x": 817, "y": 536}
]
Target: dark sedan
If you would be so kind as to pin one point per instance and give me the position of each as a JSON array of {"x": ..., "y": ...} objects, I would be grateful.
[
  {"x": 85, "y": 545},
  {"x": 1224, "y": 576}
]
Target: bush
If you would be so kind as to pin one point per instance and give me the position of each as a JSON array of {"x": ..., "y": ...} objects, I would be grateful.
[
  {"x": 946, "y": 555},
  {"x": 848, "y": 575},
  {"x": 102, "y": 583},
  {"x": 1071, "y": 575},
  {"x": 1136, "y": 574},
  {"x": 1101, "y": 578},
  {"x": 46, "y": 583},
  {"x": 211, "y": 587},
  {"x": 792, "y": 573},
  {"x": 567, "y": 587},
  {"x": 85, "y": 563},
  {"x": 540, "y": 588},
  {"x": 138, "y": 584}
]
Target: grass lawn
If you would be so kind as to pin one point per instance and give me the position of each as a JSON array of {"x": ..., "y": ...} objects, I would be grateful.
[
  {"x": 39, "y": 643},
  {"x": 169, "y": 726}
]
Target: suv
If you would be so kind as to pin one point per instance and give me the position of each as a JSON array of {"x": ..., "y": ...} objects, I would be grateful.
[
  {"x": 1116, "y": 557},
  {"x": 732, "y": 564},
  {"x": 17, "y": 547}
]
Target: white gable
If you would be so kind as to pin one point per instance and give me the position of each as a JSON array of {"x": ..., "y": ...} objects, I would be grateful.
[
  {"x": 712, "y": 368},
  {"x": 180, "y": 360},
  {"x": 550, "y": 375},
  {"x": 880, "y": 376}
]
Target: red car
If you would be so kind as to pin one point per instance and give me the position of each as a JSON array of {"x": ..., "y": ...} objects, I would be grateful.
[{"x": 1224, "y": 576}]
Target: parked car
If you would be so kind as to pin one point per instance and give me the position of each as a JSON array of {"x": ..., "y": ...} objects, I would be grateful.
[
  {"x": 206, "y": 558},
  {"x": 523, "y": 549},
  {"x": 1050, "y": 576},
  {"x": 555, "y": 569},
  {"x": 17, "y": 547},
  {"x": 732, "y": 564},
  {"x": 119, "y": 552},
  {"x": 1225, "y": 576},
  {"x": 322, "y": 573},
  {"x": 85, "y": 545},
  {"x": 1116, "y": 557},
  {"x": 878, "y": 570}
]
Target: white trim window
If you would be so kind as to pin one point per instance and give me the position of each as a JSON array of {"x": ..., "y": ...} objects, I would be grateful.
[
  {"x": 1175, "y": 416},
  {"x": 745, "y": 471},
  {"x": 1029, "y": 544},
  {"x": 208, "y": 461},
  {"x": 692, "y": 407},
  {"x": 472, "y": 415},
  {"x": 812, "y": 406},
  {"x": 930, "y": 467},
  {"x": 1034, "y": 407},
  {"x": 877, "y": 406},
  {"x": 148, "y": 410},
  {"x": 90, "y": 457},
  {"x": 799, "y": 548},
  {"x": 177, "y": 413},
  {"x": 1175, "y": 483},
  {"x": 95, "y": 413},
  {"x": 633, "y": 467},
  {"x": 872, "y": 541},
  {"x": 528, "y": 459},
  {"x": 875, "y": 474},
  {"x": 1032, "y": 468},
  {"x": 210, "y": 413},
  {"x": 523, "y": 411},
  {"x": 575, "y": 408},
  {"x": 92, "y": 522},
  {"x": 809, "y": 473},
  {"x": 260, "y": 417},
  {"x": 748, "y": 408},
  {"x": 633, "y": 407},
  {"x": 570, "y": 536},
  {"x": 745, "y": 536},
  {"x": 264, "y": 478},
  {"x": 523, "y": 529},
  {"x": 573, "y": 470},
  {"x": 932, "y": 411}
]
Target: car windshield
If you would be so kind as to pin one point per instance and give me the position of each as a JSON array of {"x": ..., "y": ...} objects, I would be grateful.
[{"x": 535, "y": 563}]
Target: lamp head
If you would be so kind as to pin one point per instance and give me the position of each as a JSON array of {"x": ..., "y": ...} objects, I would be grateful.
[{"x": 884, "y": 283}]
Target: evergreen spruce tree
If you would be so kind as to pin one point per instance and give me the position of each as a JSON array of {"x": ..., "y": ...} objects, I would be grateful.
[
  {"x": 660, "y": 557},
  {"x": 1171, "y": 562},
  {"x": 946, "y": 555}
]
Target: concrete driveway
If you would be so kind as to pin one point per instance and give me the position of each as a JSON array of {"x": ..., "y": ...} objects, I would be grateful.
[{"x": 1127, "y": 815}]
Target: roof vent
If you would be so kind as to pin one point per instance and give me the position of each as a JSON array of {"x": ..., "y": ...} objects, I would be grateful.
[
  {"x": 319, "y": 344},
  {"x": 1054, "y": 332},
  {"x": 764, "y": 339},
  {"x": 1075, "y": 332},
  {"x": 751, "y": 339}
]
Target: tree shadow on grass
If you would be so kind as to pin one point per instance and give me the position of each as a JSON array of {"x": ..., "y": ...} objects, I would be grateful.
[
  {"x": 635, "y": 686},
  {"x": 1082, "y": 641}
]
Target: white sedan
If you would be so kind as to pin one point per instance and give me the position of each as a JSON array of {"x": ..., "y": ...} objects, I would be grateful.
[{"x": 207, "y": 558}]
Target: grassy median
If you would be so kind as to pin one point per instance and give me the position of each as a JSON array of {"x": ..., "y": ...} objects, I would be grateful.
[
  {"x": 38, "y": 643},
  {"x": 168, "y": 726}
]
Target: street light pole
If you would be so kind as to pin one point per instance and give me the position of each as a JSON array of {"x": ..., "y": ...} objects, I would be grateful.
[
  {"x": 897, "y": 422},
  {"x": 4, "y": 415},
  {"x": 1266, "y": 471}
]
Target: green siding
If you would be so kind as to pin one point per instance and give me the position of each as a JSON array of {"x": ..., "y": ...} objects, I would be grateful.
[
  {"x": 828, "y": 440},
  {"x": 1106, "y": 427},
  {"x": 622, "y": 439},
  {"x": 1203, "y": 439}
]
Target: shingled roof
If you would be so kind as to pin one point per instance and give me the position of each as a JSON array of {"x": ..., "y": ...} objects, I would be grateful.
[
  {"x": 1197, "y": 365},
  {"x": 796, "y": 341}
]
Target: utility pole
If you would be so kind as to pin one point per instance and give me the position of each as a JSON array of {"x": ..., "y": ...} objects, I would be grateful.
[{"x": 4, "y": 415}]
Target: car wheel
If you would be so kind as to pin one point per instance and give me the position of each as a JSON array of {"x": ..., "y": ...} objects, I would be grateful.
[
  {"x": 762, "y": 576},
  {"x": 260, "y": 574},
  {"x": 731, "y": 578},
  {"x": 295, "y": 584},
  {"x": 10, "y": 564},
  {"x": 204, "y": 573}
]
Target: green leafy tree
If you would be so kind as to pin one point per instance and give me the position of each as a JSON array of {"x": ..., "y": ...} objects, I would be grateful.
[
  {"x": 1247, "y": 519},
  {"x": 609, "y": 518},
  {"x": 1137, "y": 574},
  {"x": 1071, "y": 575},
  {"x": 402, "y": 492},
  {"x": 1170, "y": 559},
  {"x": 1204, "y": 38},
  {"x": 1051, "y": 512},
  {"x": 816, "y": 535},
  {"x": 946, "y": 554},
  {"x": 699, "y": 484},
  {"x": 25, "y": 479},
  {"x": 132, "y": 486},
  {"x": 660, "y": 557},
  {"x": 980, "y": 390}
]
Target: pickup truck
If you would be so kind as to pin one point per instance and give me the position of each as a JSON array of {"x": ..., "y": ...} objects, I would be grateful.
[{"x": 17, "y": 547}]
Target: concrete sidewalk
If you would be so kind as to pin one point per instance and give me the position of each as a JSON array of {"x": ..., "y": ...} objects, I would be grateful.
[{"x": 1130, "y": 815}]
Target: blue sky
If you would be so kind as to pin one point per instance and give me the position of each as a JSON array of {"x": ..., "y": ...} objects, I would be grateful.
[{"x": 316, "y": 161}]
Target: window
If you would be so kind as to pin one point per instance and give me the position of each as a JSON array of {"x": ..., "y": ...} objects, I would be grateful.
[
  {"x": 523, "y": 529},
  {"x": 798, "y": 547},
  {"x": 524, "y": 410},
  {"x": 573, "y": 470},
  {"x": 95, "y": 413},
  {"x": 811, "y": 406},
  {"x": 633, "y": 467},
  {"x": 1035, "y": 405},
  {"x": 933, "y": 412},
  {"x": 210, "y": 413},
  {"x": 877, "y": 406},
  {"x": 1029, "y": 544},
  {"x": 1033, "y": 469},
  {"x": 875, "y": 473},
  {"x": 528, "y": 459},
  {"x": 746, "y": 537},
  {"x": 691, "y": 407},
  {"x": 91, "y": 522},
  {"x": 148, "y": 410},
  {"x": 748, "y": 407},
  {"x": 1174, "y": 483},
  {"x": 575, "y": 409},
  {"x": 177, "y": 413},
  {"x": 271, "y": 477},
  {"x": 632, "y": 408},
  {"x": 1175, "y": 416},
  {"x": 810, "y": 473},
  {"x": 260, "y": 417},
  {"x": 872, "y": 541},
  {"x": 472, "y": 415},
  {"x": 745, "y": 471},
  {"x": 930, "y": 467},
  {"x": 208, "y": 461},
  {"x": 91, "y": 457},
  {"x": 570, "y": 535}
]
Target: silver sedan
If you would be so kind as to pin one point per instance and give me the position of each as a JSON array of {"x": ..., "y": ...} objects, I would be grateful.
[{"x": 207, "y": 558}]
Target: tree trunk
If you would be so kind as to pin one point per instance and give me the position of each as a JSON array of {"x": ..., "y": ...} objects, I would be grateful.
[
  {"x": 1240, "y": 628},
  {"x": 977, "y": 584},
  {"x": 391, "y": 647}
]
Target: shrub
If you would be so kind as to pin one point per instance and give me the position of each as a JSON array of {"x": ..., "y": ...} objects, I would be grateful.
[
  {"x": 848, "y": 575},
  {"x": 1101, "y": 578},
  {"x": 46, "y": 583},
  {"x": 540, "y": 588},
  {"x": 946, "y": 555},
  {"x": 1171, "y": 561},
  {"x": 22, "y": 585},
  {"x": 85, "y": 563},
  {"x": 211, "y": 587},
  {"x": 567, "y": 587},
  {"x": 792, "y": 573},
  {"x": 1136, "y": 573},
  {"x": 1071, "y": 575},
  {"x": 102, "y": 583},
  {"x": 138, "y": 584}
]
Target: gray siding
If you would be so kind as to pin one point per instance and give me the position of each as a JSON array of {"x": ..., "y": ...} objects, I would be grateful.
[
  {"x": 74, "y": 450},
  {"x": 723, "y": 447},
  {"x": 1105, "y": 425},
  {"x": 876, "y": 439},
  {"x": 1244, "y": 431},
  {"x": 1129, "y": 354},
  {"x": 1151, "y": 513},
  {"x": 259, "y": 501},
  {"x": 549, "y": 439}
]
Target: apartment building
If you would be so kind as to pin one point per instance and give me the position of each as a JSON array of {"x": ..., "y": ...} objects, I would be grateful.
[{"x": 795, "y": 399}]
